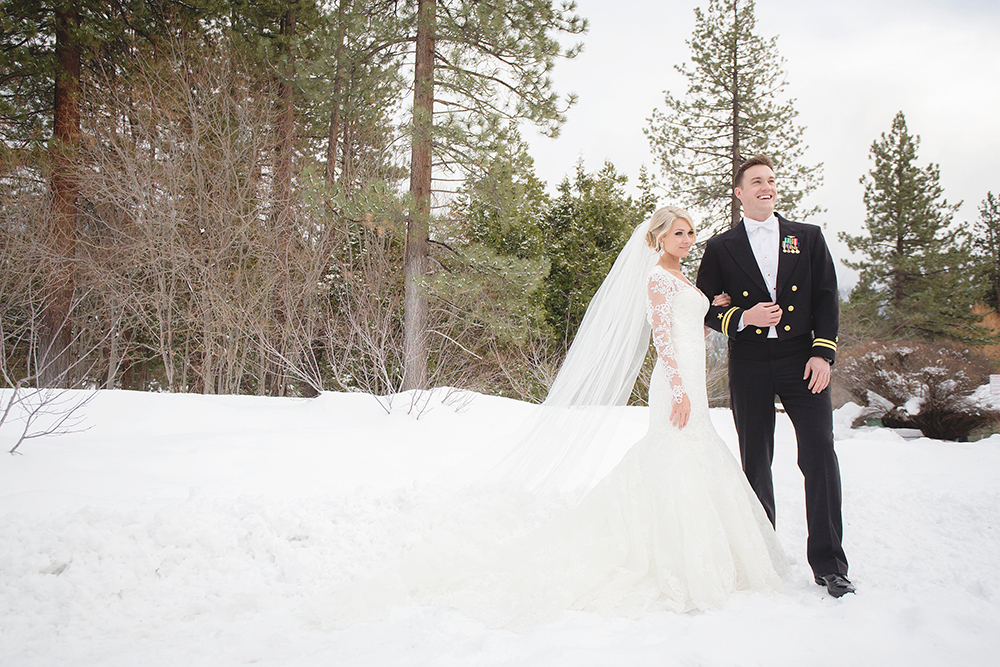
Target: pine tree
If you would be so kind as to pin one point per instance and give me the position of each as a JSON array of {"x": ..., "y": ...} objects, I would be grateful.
[
  {"x": 476, "y": 66},
  {"x": 911, "y": 274},
  {"x": 732, "y": 111},
  {"x": 588, "y": 225},
  {"x": 984, "y": 251},
  {"x": 359, "y": 53},
  {"x": 46, "y": 46}
]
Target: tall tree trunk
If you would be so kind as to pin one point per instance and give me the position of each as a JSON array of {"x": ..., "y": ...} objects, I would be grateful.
[
  {"x": 338, "y": 85},
  {"x": 417, "y": 227},
  {"x": 57, "y": 334},
  {"x": 346, "y": 156},
  {"x": 734, "y": 205},
  {"x": 286, "y": 121},
  {"x": 274, "y": 382}
]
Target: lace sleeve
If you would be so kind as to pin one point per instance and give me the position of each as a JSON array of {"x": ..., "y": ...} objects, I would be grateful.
[{"x": 659, "y": 304}]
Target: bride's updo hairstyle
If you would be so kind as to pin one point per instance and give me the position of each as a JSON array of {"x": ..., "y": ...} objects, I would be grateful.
[{"x": 661, "y": 222}]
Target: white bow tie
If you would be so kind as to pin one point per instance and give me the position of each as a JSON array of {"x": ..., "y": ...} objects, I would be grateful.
[{"x": 754, "y": 226}]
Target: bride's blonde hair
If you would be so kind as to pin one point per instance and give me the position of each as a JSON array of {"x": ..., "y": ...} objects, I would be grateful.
[{"x": 661, "y": 222}]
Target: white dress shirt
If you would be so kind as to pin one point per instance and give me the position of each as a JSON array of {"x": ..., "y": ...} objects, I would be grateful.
[{"x": 763, "y": 235}]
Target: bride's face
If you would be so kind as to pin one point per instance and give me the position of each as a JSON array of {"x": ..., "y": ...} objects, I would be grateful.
[{"x": 677, "y": 240}]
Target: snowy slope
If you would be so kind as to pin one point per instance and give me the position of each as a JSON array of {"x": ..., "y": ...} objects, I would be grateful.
[{"x": 198, "y": 530}]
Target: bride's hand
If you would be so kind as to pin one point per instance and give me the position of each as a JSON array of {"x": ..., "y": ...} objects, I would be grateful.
[
  {"x": 680, "y": 412},
  {"x": 722, "y": 300}
]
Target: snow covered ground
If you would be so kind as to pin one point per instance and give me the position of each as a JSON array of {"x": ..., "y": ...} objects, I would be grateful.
[{"x": 197, "y": 530}]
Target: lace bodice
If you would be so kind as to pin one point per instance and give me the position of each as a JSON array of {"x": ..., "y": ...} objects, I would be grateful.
[{"x": 672, "y": 319}]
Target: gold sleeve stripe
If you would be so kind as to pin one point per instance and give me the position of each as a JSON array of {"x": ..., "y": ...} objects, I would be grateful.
[
  {"x": 725, "y": 319},
  {"x": 824, "y": 342}
]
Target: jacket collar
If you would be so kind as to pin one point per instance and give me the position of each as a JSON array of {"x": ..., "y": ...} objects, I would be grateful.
[{"x": 738, "y": 245}]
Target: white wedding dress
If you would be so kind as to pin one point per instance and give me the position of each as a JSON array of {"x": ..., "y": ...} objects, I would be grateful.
[{"x": 674, "y": 526}]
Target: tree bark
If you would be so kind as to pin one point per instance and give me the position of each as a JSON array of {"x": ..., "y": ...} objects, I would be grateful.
[
  {"x": 338, "y": 85},
  {"x": 273, "y": 378},
  {"x": 286, "y": 127},
  {"x": 417, "y": 227},
  {"x": 734, "y": 207},
  {"x": 55, "y": 356}
]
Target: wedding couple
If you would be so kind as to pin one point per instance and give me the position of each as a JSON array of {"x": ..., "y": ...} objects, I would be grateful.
[
  {"x": 676, "y": 524},
  {"x": 677, "y": 520}
]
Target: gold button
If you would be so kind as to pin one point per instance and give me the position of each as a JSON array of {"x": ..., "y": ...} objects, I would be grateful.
[
  {"x": 791, "y": 308},
  {"x": 746, "y": 293},
  {"x": 788, "y": 328},
  {"x": 758, "y": 330},
  {"x": 795, "y": 288}
]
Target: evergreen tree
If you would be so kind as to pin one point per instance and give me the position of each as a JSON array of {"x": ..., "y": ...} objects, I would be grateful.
[
  {"x": 505, "y": 207},
  {"x": 912, "y": 272},
  {"x": 984, "y": 251},
  {"x": 359, "y": 53},
  {"x": 588, "y": 225},
  {"x": 732, "y": 111},
  {"x": 46, "y": 46},
  {"x": 476, "y": 66}
]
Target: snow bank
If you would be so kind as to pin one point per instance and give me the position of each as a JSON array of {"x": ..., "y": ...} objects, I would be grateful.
[{"x": 202, "y": 530}]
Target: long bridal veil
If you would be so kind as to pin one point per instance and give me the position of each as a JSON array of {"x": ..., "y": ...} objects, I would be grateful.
[
  {"x": 674, "y": 527},
  {"x": 563, "y": 442}
]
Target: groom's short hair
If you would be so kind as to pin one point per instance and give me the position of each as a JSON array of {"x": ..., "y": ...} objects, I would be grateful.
[{"x": 752, "y": 162}]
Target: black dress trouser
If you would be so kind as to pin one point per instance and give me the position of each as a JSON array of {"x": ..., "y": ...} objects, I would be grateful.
[{"x": 758, "y": 371}]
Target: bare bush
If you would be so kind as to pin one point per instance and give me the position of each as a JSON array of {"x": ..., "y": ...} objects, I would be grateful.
[
  {"x": 364, "y": 340},
  {"x": 35, "y": 400},
  {"x": 181, "y": 236},
  {"x": 919, "y": 385}
]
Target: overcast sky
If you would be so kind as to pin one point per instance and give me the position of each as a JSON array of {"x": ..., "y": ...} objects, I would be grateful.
[{"x": 850, "y": 64}]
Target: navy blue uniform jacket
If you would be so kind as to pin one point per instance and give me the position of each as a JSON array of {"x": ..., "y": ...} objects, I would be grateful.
[{"x": 806, "y": 286}]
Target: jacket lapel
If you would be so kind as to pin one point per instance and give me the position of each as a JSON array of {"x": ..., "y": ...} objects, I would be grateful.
[
  {"x": 738, "y": 245},
  {"x": 789, "y": 249}
]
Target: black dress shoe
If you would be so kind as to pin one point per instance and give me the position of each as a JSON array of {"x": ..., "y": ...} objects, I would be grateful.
[{"x": 836, "y": 584}]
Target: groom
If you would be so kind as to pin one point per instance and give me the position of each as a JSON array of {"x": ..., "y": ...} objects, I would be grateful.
[{"x": 782, "y": 329}]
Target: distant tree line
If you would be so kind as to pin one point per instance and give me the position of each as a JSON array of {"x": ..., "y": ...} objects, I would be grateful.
[
  {"x": 285, "y": 197},
  {"x": 210, "y": 196}
]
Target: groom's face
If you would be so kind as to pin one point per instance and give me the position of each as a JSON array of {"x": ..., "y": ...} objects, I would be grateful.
[{"x": 757, "y": 192}]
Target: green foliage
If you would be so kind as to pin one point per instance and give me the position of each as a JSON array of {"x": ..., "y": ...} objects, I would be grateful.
[
  {"x": 491, "y": 70},
  {"x": 27, "y": 63},
  {"x": 984, "y": 251},
  {"x": 588, "y": 225},
  {"x": 533, "y": 264},
  {"x": 490, "y": 291},
  {"x": 493, "y": 250},
  {"x": 106, "y": 35},
  {"x": 732, "y": 111},
  {"x": 352, "y": 84},
  {"x": 494, "y": 258},
  {"x": 912, "y": 275},
  {"x": 504, "y": 207}
]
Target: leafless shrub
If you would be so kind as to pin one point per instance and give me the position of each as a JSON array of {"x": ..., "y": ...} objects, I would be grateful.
[
  {"x": 43, "y": 412},
  {"x": 364, "y": 340},
  {"x": 27, "y": 407},
  {"x": 919, "y": 385},
  {"x": 181, "y": 233}
]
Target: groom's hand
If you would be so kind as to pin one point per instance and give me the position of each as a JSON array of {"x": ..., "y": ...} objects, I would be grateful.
[
  {"x": 818, "y": 374},
  {"x": 764, "y": 314}
]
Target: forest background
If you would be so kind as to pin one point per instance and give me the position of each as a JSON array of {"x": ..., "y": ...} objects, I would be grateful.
[{"x": 232, "y": 197}]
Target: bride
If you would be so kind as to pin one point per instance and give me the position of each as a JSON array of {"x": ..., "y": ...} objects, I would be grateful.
[{"x": 674, "y": 525}]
